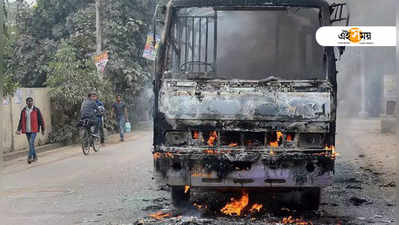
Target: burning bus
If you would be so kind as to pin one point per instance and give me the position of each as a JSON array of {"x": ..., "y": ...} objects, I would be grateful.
[{"x": 244, "y": 97}]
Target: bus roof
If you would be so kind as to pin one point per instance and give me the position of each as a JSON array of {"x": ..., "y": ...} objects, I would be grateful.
[{"x": 250, "y": 3}]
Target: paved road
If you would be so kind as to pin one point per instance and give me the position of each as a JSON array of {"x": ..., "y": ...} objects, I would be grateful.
[
  {"x": 115, "y": 186},
  {"x": 65, "y": 187}
]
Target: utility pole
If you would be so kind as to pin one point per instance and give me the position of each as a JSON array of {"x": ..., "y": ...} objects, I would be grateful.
[{"x": 99, "y": 29}]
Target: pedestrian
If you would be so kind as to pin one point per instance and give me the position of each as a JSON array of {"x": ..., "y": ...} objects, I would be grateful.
[
  {"x": 30, "y": 123},
  {"x": 119, "y": 111},
  {"x": 100, "y": 119}
]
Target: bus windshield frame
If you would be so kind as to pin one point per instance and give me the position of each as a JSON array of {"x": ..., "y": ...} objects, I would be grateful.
[{"x": 223, "y": 33}]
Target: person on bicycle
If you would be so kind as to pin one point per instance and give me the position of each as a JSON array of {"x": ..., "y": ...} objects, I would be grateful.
[
  {"x": 90, "y": 110},
  {"x": 101, "y": 112}
]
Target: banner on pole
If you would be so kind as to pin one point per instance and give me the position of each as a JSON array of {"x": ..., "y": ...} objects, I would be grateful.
[
  {"x": 150, "y": 51},
  {"x": 101, "y": 61}
]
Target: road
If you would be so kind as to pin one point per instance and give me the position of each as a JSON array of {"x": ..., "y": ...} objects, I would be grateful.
[
  {"x": 115, "y": 186},
  {"x": 65, "y": 187}
]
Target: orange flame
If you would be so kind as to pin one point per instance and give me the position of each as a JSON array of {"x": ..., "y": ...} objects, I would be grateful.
[
  {"x": 279, "y": 135},
  {"x": 199, "y": 206},
  {"x": 256, "y": 208},
  {"x": 274, "y": 144},
  {"x": 291, "y": 220},
  {"x": 209, "y": 151},
  {"x": 234, "y": 144},
  {"x": 169, "y": 155},
  {"x": 186, "y": 189},
  {"x": 160, "y": 215},
  {"x": 196, "y": 135},
  {"x": 212, "y": 138},
  {"x": 199, "y": 174},
  {"x": 334, "y": 154},
  {"x": 156, "y": 155},
  {"x": 289, "y": 137},
  {"x": 235, "y": 207}
]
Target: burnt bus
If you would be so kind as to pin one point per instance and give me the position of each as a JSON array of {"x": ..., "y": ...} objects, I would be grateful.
[{"x": 244, "y": 96}]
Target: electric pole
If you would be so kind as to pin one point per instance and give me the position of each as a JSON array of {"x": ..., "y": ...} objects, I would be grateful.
[
  {"x": 99, "y": 26},
  {"x": 99, "y": 30}
]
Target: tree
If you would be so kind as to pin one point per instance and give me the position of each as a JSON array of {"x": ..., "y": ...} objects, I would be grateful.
[
  {"x": 70, "y": 79},
  {"x": 3, "y": 14},
  {"x": 56, "y": 42},
  {"x": 126, "y": 25},
  {"x": 7, "y": 84}
]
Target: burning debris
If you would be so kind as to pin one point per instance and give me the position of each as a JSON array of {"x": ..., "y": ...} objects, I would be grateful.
[
  {"x": 334, "y": 154},
  {"x": 161, "y": 215},
  {"x": 276, "y": 143},
  {"x": 212, "y": 138},
  {"x": 196, "y": 135},
  {"x": 256, "y": 208},
  {"x": 186, "y": 189},
  {"x": 292, "y": 221},
  {"x": 234, "y": 144},
  {"x": 289, "y": 137},
  {"x": 200, "y": 206},
  {"x": 158, "y": 155},
  {"x": 236, "y": 207}
]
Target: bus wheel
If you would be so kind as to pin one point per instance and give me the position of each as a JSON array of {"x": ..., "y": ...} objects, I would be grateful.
[{"x": 311, "y": 199}]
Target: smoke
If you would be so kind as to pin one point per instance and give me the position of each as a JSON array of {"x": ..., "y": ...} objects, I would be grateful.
[
  {"x": 374, "y": 62},
  {"x": 254, "y": 45},
  {"x": 258, "y": 44}
]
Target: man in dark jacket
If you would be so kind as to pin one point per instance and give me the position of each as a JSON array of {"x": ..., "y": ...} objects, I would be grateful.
[
  {"x": 30, "y": 123},
  {"x": 100, "y": 120},
  {"x": 89, "y": 111}
]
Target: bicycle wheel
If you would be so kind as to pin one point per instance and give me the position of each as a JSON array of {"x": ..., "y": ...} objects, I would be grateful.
[
  {"x": 85, "y": 142},
  {"x": 96, "y": 143}
]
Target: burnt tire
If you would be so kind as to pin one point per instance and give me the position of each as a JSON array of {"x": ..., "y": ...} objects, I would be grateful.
[
  {"x": 179, "y": 197},
  {"x": 310, "y": 199}
]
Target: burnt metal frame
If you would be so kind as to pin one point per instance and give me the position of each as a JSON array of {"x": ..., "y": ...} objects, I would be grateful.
[
  {"x": 176, "y": 4},
  {"x": 336, "y": 11},
  {"x": 248, "y": 3},
  {"x": 188, "y": 25}
]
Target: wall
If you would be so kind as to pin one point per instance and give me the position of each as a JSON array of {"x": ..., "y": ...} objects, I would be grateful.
[{"x": 10, "y": 110}]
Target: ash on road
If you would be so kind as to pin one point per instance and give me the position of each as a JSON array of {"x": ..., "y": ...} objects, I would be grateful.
[{"x": 115, "y": 187}]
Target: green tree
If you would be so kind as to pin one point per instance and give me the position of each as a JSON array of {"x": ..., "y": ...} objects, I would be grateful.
[
  {"x": 2, "y": 42},
  {"x": 56, "y": 41},
  {"x": 7, "y": 84},
  {"x": 70, "y": 79}
]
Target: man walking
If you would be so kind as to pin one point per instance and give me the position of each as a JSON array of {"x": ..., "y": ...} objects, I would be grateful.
[
  {"x": 119, "y": 110},
  {"x": 30, "y": 123}
]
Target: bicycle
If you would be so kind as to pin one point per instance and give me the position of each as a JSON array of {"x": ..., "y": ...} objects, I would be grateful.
[{"x": 88, "y": 137}]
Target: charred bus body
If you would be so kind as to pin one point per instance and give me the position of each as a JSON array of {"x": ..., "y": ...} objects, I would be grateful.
[{"x": 245, "y": 97}]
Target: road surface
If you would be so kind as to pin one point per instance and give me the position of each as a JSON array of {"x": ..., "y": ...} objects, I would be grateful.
[
  {"x": 65, "y": 187},
  {"x": 115, "y": 186}
]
